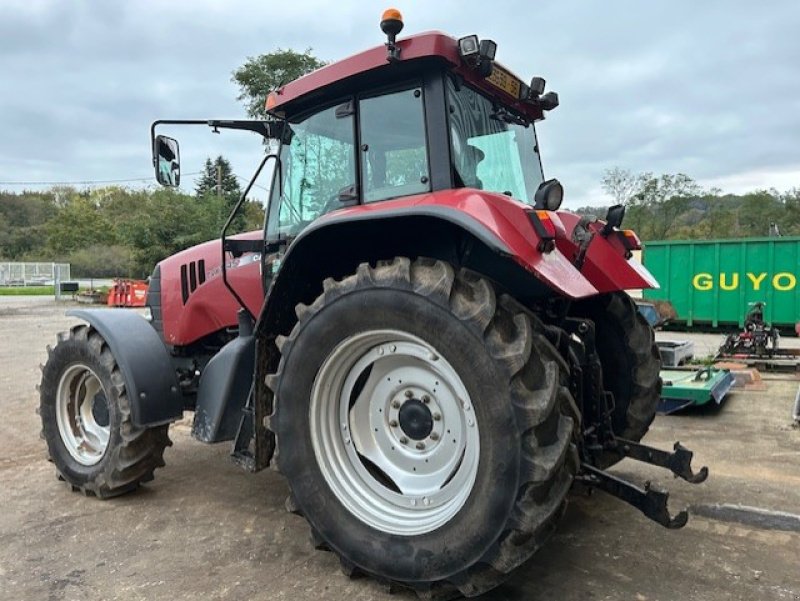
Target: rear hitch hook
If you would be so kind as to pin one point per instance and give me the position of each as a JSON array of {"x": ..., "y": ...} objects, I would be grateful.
[
  {"x": 652, "y": 502},
  {"x": 679, "y": 462}
]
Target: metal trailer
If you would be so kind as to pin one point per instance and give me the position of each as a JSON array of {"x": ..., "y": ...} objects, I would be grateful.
[{"x": 712, "y": 282}]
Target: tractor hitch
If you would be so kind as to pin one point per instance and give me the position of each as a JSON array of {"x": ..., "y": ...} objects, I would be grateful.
[
  {"x": 650, "y": 501},
  {"x": 679, "y": 462}
]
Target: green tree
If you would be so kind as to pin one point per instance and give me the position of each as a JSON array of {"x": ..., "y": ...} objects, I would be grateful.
[
  {"x": 102, "y": 261},
  {"x": 760, "y": 209},
  {"x": 656, "y": 204},
  {"x": 79, "y": 224},
  {"x": 622, "y": 184},
  {"x": 22, "y": 220},
  {"x": 663, "y": 200},
  {"x": 267, "y": 72},
  {"x": 169, "y": 223},
  {"x": 218, "y": 192},
  {"x": 218, "y": 179}
]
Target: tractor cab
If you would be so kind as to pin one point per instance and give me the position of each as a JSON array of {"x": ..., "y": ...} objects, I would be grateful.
[
  {"x": 426, "y": 114},
  {"x": 421, "y": 115}
]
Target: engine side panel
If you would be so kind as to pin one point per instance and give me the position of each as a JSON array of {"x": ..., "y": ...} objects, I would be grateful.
[{"x": 194, "y": 299}]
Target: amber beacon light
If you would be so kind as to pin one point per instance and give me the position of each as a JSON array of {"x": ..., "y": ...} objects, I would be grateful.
[{"x": 391, "y": 25}]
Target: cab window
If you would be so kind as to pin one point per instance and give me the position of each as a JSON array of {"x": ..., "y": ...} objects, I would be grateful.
[
  {"x": 317, "y": 170},
  {"x": 394, "y": 154},
  {"x": 492, "y": 148}
]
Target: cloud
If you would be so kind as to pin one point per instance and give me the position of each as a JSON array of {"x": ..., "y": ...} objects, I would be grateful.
[{"x": 708, "y": 89}]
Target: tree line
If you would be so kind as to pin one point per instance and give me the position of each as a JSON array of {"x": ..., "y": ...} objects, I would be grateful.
[
  {"x": 115, "y": 231},
  {"x": 676, "y": 207}
]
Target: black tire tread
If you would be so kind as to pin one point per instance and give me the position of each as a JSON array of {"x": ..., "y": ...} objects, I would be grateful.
[
  {"x": 546, "y": 414},
  {"x": 645, "y": 361},
  {"x": 141, "y": 450}
]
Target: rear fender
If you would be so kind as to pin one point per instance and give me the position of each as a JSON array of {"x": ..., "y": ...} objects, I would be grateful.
[
  {"x": 150, "y": 380},
  {"x": 434, "y": 225},
  {"x": 607, "y": 264}
]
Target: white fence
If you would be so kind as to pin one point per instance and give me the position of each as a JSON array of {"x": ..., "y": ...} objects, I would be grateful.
[{"x": 33, "y": 274}]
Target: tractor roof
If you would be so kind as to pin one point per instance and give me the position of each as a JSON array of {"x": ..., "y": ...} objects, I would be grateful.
[{"x": 428, "y": 45}]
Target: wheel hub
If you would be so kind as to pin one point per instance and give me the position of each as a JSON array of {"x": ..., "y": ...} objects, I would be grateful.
[
  {"x": 82, "y": 414},
  {"x": 415, "y": 419},
  {"x": 100, "y": 410}
]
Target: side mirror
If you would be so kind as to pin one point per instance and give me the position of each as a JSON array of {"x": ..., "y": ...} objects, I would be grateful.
[
  {"x": 614, "y": 217},
  {"x": 167, "y": 161}
]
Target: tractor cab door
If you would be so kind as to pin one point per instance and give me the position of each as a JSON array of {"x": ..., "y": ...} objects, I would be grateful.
[{"x": 316, "y": 175}]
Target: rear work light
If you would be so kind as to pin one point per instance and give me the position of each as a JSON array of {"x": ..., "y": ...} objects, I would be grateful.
[
  {"x": 630, "y": 240},
  {"x": 545, "y": 228}
]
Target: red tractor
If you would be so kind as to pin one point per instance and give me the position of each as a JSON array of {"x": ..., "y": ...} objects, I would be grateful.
[{"x": 419, "y": 340}]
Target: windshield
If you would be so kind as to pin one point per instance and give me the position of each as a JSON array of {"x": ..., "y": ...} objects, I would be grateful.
[{"x": 493, "y": 148}]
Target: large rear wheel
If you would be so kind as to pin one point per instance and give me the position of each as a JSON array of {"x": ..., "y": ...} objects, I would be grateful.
[{"x": 424, "y": 427}]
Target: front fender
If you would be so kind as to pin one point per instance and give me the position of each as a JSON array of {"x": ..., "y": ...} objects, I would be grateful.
[{"x": 150, "y": 380}]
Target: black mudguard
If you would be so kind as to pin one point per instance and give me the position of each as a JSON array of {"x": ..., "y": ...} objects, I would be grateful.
[
  {"x": 150, "y": 378},
  {"x": 223, "y": 391}
]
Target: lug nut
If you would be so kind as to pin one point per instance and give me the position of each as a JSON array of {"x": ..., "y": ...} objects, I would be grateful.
[
  {"x": 426, "y": 399},
  {"x": 409, "y": 394},
  {"x": 396, "y": 404},
  {"x": 393, "y": 423},
  {"x": 437, "y": 417},
  {"x": 434, "y": 436},
  {"x": 420, "y": 446},
  {"x": 403, "y": 440}
]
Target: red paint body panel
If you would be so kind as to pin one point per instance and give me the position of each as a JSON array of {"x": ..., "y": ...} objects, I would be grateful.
[
  {"x": 211, "y": 307},
  {"x": 605, "y": 264},
  {"x": 507, "y": 219},
  {"x": 434, "y": 44}
]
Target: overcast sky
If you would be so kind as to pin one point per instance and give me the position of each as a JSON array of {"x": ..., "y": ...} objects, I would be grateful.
[{"x": 710, "y": 89}]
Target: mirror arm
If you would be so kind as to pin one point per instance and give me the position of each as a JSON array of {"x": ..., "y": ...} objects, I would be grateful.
[{"x": 268, "y": 129}]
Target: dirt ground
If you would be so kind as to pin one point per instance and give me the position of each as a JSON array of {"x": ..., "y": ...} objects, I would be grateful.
[{"x": 204, "y": 529}]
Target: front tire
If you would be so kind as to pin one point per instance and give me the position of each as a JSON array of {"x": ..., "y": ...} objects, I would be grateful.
[
  {"x": 86, "y": 419},
  {"x": 424, "y": 427}
]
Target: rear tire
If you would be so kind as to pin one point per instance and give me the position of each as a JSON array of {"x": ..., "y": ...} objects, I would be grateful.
[
  {"x": 631, "y": 364},
  {"x": 446, "y": 336},
  {"x": 86, "y": 419}
]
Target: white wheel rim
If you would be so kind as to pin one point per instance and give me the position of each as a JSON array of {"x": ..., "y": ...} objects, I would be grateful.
[
  {"x": 82, "y": 414},
  {"x": 411, "y": 418}
]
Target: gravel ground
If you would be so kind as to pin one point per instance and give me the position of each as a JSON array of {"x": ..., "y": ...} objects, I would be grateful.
[{"x": 205, "y": 529}]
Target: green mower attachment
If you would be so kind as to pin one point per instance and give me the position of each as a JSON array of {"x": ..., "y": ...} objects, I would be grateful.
[{"x": 682, "y": 388}]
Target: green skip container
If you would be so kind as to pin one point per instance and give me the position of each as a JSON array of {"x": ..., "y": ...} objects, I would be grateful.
[{"x": 712, "y": 282}]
